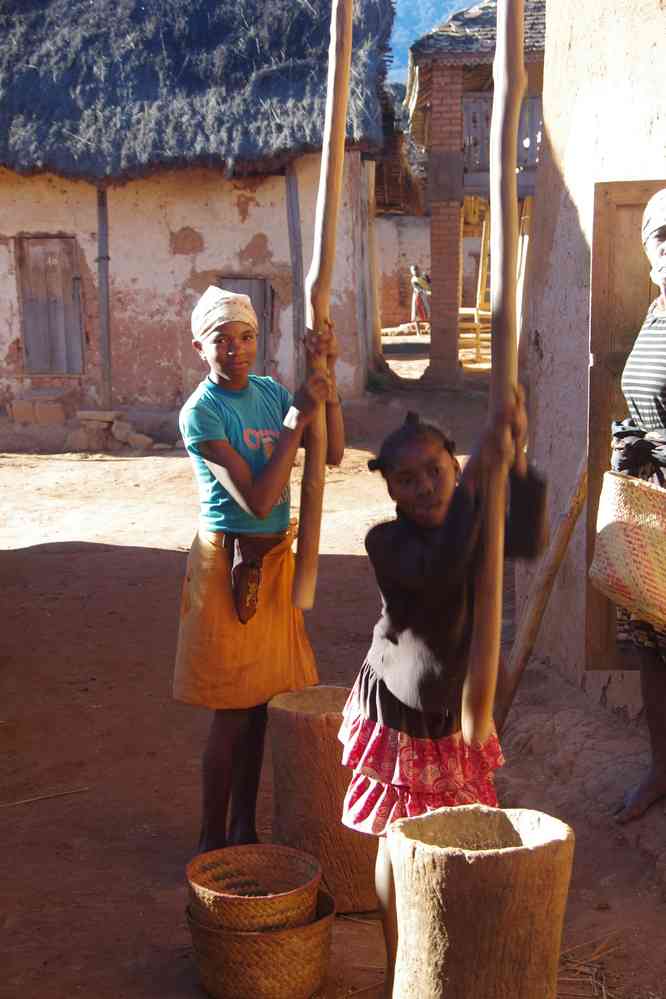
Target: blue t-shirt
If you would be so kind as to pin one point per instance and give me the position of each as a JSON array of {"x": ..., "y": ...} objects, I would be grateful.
[{"x": 251, "y": 421}]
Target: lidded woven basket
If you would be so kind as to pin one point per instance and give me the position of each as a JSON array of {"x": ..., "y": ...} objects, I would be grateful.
[
  {"x": 255, "y": 887},
  {"x": 290, "y": 963}
]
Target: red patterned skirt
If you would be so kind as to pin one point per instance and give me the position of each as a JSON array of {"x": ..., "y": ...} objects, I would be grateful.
[{"x": 397, "y": 775}]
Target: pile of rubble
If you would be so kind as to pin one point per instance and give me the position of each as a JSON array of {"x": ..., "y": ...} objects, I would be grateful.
[
  {"x": 50, "y": 418},
  {"x": 107, "y": 430}
]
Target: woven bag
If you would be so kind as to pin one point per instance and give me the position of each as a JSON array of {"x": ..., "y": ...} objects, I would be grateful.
[{"x": 629, "y": 564}]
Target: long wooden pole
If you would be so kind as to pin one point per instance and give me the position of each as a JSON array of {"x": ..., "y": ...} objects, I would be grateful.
[
  {"x": 509, "y": 86},
  {"x": 318, "y": 290},
  {"x": 509, "y": 80}
]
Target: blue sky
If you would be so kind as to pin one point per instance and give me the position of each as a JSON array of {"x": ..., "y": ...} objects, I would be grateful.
[{"x": 414, "y": 18}]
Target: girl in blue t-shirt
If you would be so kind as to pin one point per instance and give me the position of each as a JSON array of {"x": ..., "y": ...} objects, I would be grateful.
[{"x": 240, "y": 639}]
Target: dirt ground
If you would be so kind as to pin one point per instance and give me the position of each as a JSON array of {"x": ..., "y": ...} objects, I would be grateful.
[{"x": 92, "y": 555}]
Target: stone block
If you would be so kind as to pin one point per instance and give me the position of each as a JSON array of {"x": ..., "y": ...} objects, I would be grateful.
[
  {"x": 140, "y": 441},
  {"x": 23, "y": 411},
  {"x": 162, "y": 447},
  {"x": 98, "y": 415},
  {"x": 121, "y": 430},
  {"x": 76, "y": 440},
  {"x": 113, "y": 444},
  {"x": 49, "y": 414},
  {"x": 98, "y": 437}
]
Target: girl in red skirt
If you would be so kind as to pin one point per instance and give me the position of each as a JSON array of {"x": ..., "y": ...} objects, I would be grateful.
[{"x": 403, "y": 723}]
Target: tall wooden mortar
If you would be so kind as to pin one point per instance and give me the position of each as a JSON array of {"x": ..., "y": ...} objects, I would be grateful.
[
  {"x": 480, "y": 896},
  {"x": 309, "y": 785}
]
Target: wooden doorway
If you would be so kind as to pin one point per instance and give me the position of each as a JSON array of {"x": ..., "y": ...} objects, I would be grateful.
[
  {"x": 261, "y": 295},
  {"x": 621, "y": 292},
  {"x": 50, "y": 295}
]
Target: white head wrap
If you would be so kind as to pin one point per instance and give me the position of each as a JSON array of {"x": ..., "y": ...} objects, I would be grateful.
[
  {"x": 654, "y": 216},
  {"x": 217, "y": 306}
]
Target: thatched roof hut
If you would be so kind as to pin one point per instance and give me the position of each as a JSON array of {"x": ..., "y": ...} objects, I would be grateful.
[
  {"x": 102, "y": 89},
  {"x": 470, "y": 34}
]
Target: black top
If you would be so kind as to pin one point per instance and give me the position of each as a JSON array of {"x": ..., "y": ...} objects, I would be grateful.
[
  {"x": 426, "y": 579},
  {"x": 644, "y": 375}
]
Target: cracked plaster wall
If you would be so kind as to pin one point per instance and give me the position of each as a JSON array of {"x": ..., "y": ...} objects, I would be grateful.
[{"x": 170, "y": 235}]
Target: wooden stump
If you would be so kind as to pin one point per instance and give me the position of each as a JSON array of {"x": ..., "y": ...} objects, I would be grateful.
[
  {"x": 309, "y": 785},
  {"x": 480, "y": 899}
]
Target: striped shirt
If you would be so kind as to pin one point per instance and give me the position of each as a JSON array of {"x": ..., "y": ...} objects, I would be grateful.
[{"x": 644, "y": 375}]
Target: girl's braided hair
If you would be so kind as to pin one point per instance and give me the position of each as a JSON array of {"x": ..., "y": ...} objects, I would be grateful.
[{"x": 411, "y": 430}]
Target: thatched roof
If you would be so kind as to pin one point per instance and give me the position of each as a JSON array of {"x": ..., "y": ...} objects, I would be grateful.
[
  {"x": 469, "y": 36},
  {"x": 103, "y": 89}
]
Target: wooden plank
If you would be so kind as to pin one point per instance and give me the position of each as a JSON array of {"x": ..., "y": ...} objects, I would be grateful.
[
  {"x": 35, "y": 310},
  {"x": 619, "y": 297},
  {"x": 51, "y": 311},
  {"x": 55, "y": 269},
  {"x": 73, "y": 316}
]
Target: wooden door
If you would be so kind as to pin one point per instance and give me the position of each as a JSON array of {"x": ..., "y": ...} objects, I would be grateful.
[
  {"x": 261, "y": 295},
  {"x": 621, "y": 292},
  {"x": 49, "y": 284}
]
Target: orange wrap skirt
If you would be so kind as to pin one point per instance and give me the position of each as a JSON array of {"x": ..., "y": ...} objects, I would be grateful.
[{"x": 222, "y": 663}]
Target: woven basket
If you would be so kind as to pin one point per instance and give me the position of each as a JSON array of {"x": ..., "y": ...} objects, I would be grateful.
[
  {"x": 275, "y": 964},
  {"x": 629, "y": 564},
  {"x": 256, "y": 887}
]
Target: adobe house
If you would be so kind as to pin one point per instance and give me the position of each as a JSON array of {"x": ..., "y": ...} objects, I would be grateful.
[
  {"x": 449, "y": 95},
  {"x": 587, "y": 291},
  {"x": 147, "y": 151}
]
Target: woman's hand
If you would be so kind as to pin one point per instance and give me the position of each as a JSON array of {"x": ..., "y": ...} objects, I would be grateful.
[{"x": 314, "y": 390}]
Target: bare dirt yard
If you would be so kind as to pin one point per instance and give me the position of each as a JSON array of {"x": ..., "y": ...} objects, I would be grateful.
[{"x": 92, "y": 552}]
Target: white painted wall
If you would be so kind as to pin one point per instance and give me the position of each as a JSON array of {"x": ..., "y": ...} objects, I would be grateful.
[{"x": 604, "y": 120}]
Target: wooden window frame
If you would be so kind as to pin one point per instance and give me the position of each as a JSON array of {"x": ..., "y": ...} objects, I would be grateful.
[{"x": 18, "y": 240}]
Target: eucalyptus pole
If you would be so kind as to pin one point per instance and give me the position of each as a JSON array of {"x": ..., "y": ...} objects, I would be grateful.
[
  {"x": 509, "y": 80},
  {"x": 318, "y": 291}
]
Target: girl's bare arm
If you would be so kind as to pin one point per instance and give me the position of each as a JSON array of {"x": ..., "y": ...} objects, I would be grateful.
[
  {"x": 261, "y": 492},
  {"x": 481, "y": 680}
]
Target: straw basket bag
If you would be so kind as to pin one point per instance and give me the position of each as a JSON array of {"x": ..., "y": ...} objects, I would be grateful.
[{"x": 629, "y": 564}]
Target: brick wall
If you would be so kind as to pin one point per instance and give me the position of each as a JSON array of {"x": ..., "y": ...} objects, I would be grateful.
[{"x": 446, "y": 135}]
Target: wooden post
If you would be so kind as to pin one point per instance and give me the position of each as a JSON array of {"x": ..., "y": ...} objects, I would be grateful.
[
  {"x": 318, "y": 290},
  {"x": 309, "y": 786},
  {"x": 540, "y": 590},
  {"x": 480, "y": 896}
]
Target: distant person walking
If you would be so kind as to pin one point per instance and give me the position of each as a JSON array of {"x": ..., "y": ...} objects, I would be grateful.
[{"x": 421, "y": 291}]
